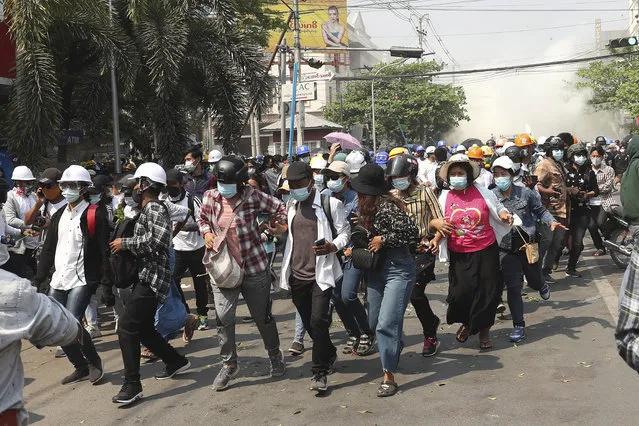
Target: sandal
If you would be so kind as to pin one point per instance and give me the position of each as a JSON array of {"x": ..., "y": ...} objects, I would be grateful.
[
  {"x": 462, "y": 333},
  {"x": 387, "y": 389},
  {"x": 149, "y": 356},
  {"x": 365, "y": 345},
  {"x": 600, "y": 252},
  {"x": 351, "y": 345},
  {"x": 484, "y": 339}
]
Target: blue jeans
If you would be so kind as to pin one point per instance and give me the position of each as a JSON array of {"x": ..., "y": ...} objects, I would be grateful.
[
  {"x": 514, "y": 267},
  {"x": 76, "y": 301},
  {"x": 300, "y": 330},
  {"x": 347, "y": 304},
  {"x": 389, "y": 290}
]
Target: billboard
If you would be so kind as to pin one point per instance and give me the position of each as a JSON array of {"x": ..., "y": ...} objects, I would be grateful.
[{"x": 322, "y": 24}]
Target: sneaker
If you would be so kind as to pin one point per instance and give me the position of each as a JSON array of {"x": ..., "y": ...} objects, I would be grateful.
[
  {"x": 59, "y": 353},
  {"x": 366, "y": 345},
  {"x": 351, "y": 345},
  {"x": 296, "y": 348},
  {"x": 319, "y": 383},
  {"x": 430, "y": 346},
  {"x": 94, "y": 332},
  {"x": 549, "y": 279},
  {"x": 173, "y": 370},
  {"x": 203, "y": 323},
  {"x": 96, "y": 372},
  {"x": 76, "y": 376},
  {"x": 517, "y": 334},
  {"x": 331, "y": 363},
  {"x": 545, "y": 292},
  {"x": 501, "y": 308},
  {"x": 129, "y": 393},
  {"x": 227, "y": 372},
  {"x": 278, "y": 365},
  {"x": 192, "y": 321},
  {"x": 572, "y": 273}
]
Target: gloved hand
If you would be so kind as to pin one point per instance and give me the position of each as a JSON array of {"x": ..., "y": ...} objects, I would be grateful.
[{"x": 107, "y": 296}]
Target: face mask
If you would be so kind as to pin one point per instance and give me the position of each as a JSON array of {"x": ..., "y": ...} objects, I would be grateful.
[
  {"x": 457, "y": 182},
  {"x": 280, "y": 165},
  {"x": 227, "y": 190},
  {"x": 306, "y": 159},
  {"x": 335, "y": 185},
  {"x": 285, "y": 198},
  {"x": 25, "y": 190},
  {"x": 516, "y": 167},
  {"x": 71, "y": 195},
  {"x": 94, "y": 198},
  {"x": 251, "y": 171},
  {"x": 319, "y": 179},
  {"x": 500, "y": 151},
  {"x": 503, "y": 183},
  {"x": 174, "y": 191},
  {"x": 189, "y": 166},
  {"x": 596, "y": 161},
  {"x": 557, "y": 154},
  {"x": 401, "y": 183},
  {"x": 580, "y": 160},
  {"x": 300, "y": 194},
  {"x": 129, "y": 201}
]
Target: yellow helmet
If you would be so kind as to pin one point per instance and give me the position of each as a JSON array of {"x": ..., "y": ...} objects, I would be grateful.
[
  {"x": 487, "y": 151},
  {"x": 318, "y": 163},
  {"x": 397, "y": 151}
]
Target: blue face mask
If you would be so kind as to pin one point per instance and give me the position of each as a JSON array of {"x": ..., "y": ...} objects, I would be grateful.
[
  {"x": 300, "y": 194},
  {"x": 306, "y": 159},
  {"x": 580, "y": 160},
  {"x": 335, "y": 185},
  {"x": 401, "y": 183},
  {"x": 503, "y": 183},
  {"x": 457, "y": 182},
  {"x": 227, "y": 190},
  {"x": 285, "y": 198},
  {"x": 94, "y": 198},
  {"x": 557, "y": 154}
]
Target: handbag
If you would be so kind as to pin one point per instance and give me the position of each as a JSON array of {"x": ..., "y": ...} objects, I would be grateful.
[
  {"x": 222, "y": 268},
  {"x": 363, "y": 258},
  {"x": 425, "y": 266},
  {"x": 531, "y": 249}
]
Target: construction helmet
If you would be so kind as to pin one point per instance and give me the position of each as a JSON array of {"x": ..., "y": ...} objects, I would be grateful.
[
  {"x": 24, "y": 173},
  {"x": 231, "y": 169},
  {"x": 73, "y": 173},
  {"x": 501, "y": 142},
  {"x": 402, "y": 165},
  {"x": 397, "y": 151},
  {"x": 318, "y": 163},
  {"x": 153, "y": 172},
  {"x": 487, "y": 151},
  {"x": 523, "y": 140},
  {"x": 475, "y": 153}
]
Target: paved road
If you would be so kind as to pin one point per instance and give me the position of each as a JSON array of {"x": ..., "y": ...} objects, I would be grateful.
[{"x": 566, "y": 371}]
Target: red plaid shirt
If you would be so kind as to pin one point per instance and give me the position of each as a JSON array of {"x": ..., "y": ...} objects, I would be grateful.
[{"x": 248, "y": 232}]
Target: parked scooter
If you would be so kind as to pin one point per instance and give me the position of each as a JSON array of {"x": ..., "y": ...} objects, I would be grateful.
[{"x": 618, "y": 238}]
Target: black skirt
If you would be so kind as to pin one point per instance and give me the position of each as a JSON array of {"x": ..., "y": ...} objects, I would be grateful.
[{"x": 475, "y": 287}]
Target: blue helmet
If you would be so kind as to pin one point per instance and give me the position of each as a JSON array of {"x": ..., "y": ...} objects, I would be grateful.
[
  {"x": 371, "y": 153},
  {"x": 381, "y": 157},
  {"x": 420, "y": 148},
  {"x": 441, "y": 143},
  {"x": 260, "y": 157},
  {"x": 302, "y": 150}
]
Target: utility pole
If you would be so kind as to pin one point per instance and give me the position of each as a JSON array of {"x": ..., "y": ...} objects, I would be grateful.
[
  {"x": 114, "y": 104},
  {"x": 420, "y": 35},
  {"x": 598, "y": 36},
  {"x": 298, "y": 60},
  {"x": 283, "y": 66}
]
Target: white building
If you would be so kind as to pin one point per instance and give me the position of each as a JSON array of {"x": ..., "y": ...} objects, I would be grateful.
[{"x": 633, "y": 24}]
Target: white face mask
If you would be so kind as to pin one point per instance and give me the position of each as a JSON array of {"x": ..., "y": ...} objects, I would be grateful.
[
  {"x": 189, "y": 166},
  {"x": 94, "y": 198},
  {"x": 71, "y": 195},
  {"x": 596, "y": 161}
]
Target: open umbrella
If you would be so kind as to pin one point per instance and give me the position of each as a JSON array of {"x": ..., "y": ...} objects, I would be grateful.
[
  {"x": 344, "y": 139},
  {"x": 472, "y": 141}
]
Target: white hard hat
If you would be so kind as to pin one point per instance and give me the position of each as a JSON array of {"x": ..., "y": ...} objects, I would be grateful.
[
  {"x": 430, "y": 150},
  {"x": 318, "y": 163},
  {"x": 461, "y": 149},
  {"x": 76, "y": 173},
  {"x": 355, "y": 161},
  {"x": 152, "y": 171},
  {"x": 215, "y": 156},
  {"x": 505, "y": 163},
  {"x": 22, "y": 173}
]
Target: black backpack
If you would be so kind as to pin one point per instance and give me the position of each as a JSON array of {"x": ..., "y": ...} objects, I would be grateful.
[{"x": 124, "y": 263}]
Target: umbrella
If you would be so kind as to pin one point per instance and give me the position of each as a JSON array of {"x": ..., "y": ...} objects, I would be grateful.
[
  {"x": 344, "y": 139},
  {"x": 472, "y": 141}
]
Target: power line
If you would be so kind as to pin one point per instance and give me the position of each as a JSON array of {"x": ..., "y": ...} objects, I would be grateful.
[
  {"x": 530, "y": 29},
  {"x": 483, "y": 70}
]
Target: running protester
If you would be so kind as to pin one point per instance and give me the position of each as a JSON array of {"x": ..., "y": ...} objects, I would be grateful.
[
  {"x": 391, "y": 276},
  {"x": 600, "y": 205},
  {"x": 236, "y": 207},
  {"x": 422, "y": 207}
]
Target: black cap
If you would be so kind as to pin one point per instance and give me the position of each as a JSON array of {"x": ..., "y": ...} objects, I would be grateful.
[
  {"x": 51, "y": 175},
  {"x": 102, "y": 181},
  {"x": 299, "y": 170},
  {"x": 174, "y": 176}
]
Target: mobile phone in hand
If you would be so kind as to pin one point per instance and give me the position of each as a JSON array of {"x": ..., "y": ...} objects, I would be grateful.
[{"x": 319, "y": 243}]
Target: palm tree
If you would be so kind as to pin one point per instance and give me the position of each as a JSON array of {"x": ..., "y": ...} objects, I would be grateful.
[{"x": 173, "y": 58}]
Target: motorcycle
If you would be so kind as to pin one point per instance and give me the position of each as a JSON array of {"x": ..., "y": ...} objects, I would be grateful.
[{"x": 618, "y": 238}]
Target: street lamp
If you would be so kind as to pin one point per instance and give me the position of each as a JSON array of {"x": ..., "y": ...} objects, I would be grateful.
[{"x": 373, "y": 97}]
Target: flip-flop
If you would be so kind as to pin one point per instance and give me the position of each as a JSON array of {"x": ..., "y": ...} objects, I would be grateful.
[
  {"x": 486, "y": 344},
  {"x": 387, "y": 388},
  {"x": 462, "y": 333}
]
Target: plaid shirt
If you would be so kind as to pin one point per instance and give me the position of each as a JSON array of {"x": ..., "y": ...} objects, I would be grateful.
[
  {"x": 627, "y": 332},
  {"x": 150, "y": 243},
  {"x": 248, "y": 232},
  {"x": 606, "y": 182}
]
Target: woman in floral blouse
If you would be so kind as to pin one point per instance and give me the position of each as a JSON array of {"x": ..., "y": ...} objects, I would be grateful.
[{"x": 390, "y": 285}]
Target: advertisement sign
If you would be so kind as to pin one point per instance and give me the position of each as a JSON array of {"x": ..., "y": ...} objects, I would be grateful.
[
  {"x": 70, "y": 137},
  {"x": 305, "y": 92},
  {"x": 7, "y": 50},
  {"x": 322, "y": 24}
]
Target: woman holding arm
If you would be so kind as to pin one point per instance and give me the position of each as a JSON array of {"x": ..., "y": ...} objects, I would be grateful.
[
  {"x": 392, "y": 232},
  {"x": 332, "y": 30}
]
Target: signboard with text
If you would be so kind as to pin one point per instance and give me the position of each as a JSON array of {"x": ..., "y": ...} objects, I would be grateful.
[{"x": 305, "y": 92}]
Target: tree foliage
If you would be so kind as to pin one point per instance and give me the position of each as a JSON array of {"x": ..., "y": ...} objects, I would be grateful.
[
  {"x": 175, "y": 59},
  {"x": 424, "y": 109},
  {"x": 614, "y": 85}
]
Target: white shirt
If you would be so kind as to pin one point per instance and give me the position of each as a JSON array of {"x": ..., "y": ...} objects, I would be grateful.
[
  {"x": 485, "y": 178},
  {"x": 15, "y": 210},
  {"x": 431, "y": 173},
  {"x": 185, "y": 240},
  {"x": 52, "y": 208},
  {"x": 69, "y": 252}
]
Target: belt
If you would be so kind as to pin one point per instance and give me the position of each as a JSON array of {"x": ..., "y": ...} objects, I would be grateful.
[{"x": 9, "y": 418}]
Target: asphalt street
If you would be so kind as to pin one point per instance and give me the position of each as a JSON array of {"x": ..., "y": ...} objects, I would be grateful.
[{"x": 566, "y": 371}]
